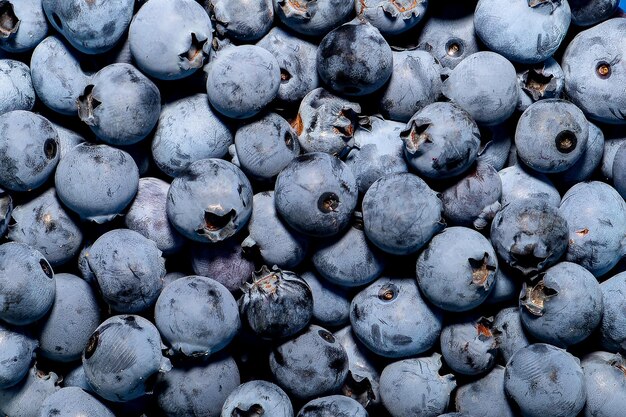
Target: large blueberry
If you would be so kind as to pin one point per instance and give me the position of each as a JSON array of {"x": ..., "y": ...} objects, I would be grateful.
[
  {"x": 16, "y": 86},
  {"x": 243, "y": 21},
  {"x": 23, "y": 25},
  {"x": 260, "y": 397},
  {"x": 17, "y": 349},
  {"x": 485, "y": 397},
  {"x": 509, "y": 332},
  {"x": 468, "y": 345},
  {"x": 606, "y": 384},
  {"x": 331, "y": 303},
  {"x": 539, "y": 81},
  {"x": 73, "y": 402},
  {"x": 519, "y": 183},
  {"x": 225, "y": 262},
  {"x": 26, "y": 398},
  {"x": 613, "y": 324},
  {"x": 313, "y": 17}
]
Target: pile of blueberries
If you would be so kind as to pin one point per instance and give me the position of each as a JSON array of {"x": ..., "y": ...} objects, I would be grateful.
[{"x": 312, "y": 208}]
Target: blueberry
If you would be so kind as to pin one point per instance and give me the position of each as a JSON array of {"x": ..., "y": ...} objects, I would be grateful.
[
  {"x": 171, "y": 277},
  {"x": 378, "y": 152},
  {"x": 210, "y": 201},
  {"x": 16, "y": 86},
  {"x": 316, "y": 194},
  {"x": 509, "y": 333},
  {"x": 187, "y": 326},
  {"x": 354, "y": 59},
  {"x": 484, "y": 397},
  {"x": 468, "y": 346},
  {"x": 588, "y": 13},
  {"x": 310, "y": 365},
  {"x": 392, "y": 319},
  {"x": 613, "y": 324},
  {"x": 606, "y": 387},
  {"x": 29, "y": 150},
  {"x": 74, "y": 316},
  {"x": 529, "y": 235},
  {"x": 524, "y": 31},
  {"x": 188, "y": 130},
  {"x": 23, "y": 25},
  {"x": 331, "y": 303},
  {"x": 441, "y": 140},
  {"x": 257, "y": 397},
  {"x": 276, "y": 243},
  {"x": 91, "y": 28},
  {"x": 545, "y": 380},
  {"x": 611, "y": 146},
  {"x": 277, "y": 304},
  {"x": 265, "y": 146},
  {"x": 415, "y": 387},
  {"x": 539, "y": 81},
  {"x": 243, "y": 21},
  {"x": 391, "y": 17},
  {"x": 96, "y": 181},
  {"x": 327, "y": 123},
  {"x": 57, "y": 76},
  {"x": 122, "y": 357},
  {"x": 591, "y": 64},
  {"x": 197, "y": 389},
  {"x": 43, "y": 224},
  {"x": 120, "y": 105},
  {"x": 619, "y": 171},
  {"x": 72, "y": 402},
  {"x": 83, "y": 263},
  {"x": 147, "y": 215},
  {"x": 457, "y": 269},
  {"x": 26, "y": 398},
  {"x": 297, "y": 60},
  {"x": 596, "y": 217},
  {"x": 496, "y": 143},
  {"x": 333, "y": 405},
  {"x": 76, "y": 378},
  {"x": 174, "y": 48},
  {"x": 475, "y": 199},
  {"x": 506, "y": 288},
  {"x": 520, "y": 183},
  {"x": 27, "y": 284},
  {"x": 242, "y": 80},
  {"x": 225, "y": 262},
  {"x": 67, "y": 139},
  {"x": 586, "y": 165},
  {"x": 415, "y": 82},
  {"x": 17, "y": 350},
  {"x": 129, "y": 269},
  {"x": 313, "y": 17}
]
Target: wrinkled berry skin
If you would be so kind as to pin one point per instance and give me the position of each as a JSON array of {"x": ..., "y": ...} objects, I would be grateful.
[
  {"x": 354, "y": 59},
  {"x": 392, "y": 319},
  {"x": 520, "y": 183},
  {"x": 244, "y": 21},
  {"x": 197, "y": 389},
  {"x": 277, "y": 304},
  {"x": 414, "y": 387},
  {"x": 391, "y": 17},
  {"x": 29, "y": 150},
  {"x": 121, "y": 356},
  {"x": 441, "y": 140},
  {"x": 17, "y": 350},
  {"x": 509, "y": 332},
  {"x": 468, "y": 346},
  {"x": 197, "y": 316},
  {"x": 27, "y": 284},
  {"x": 390, "y": 209},
  {"x": 545, "y": 380},
  {"x": 129, "y": 269},
  {"x": 91, "y": 27},
  {"x": 538, "y": 82},
  {"x": 592, "y": 63},
  {"x": 171, "y": 49},
  {"x": 242, "y": 80},
  {"x": 310, "y": 365},
  {"x": 210, "y": 201},
  {"x": 331, "y": 303},
  {"x": 260, "y": 396},
  {"x": 224, "y": 262},
  {"x": 605, "y": 383},
  {"x": 16, "y": 86},
  {"x": 26, "y": 398},
  {"x": 316, "y": 194},
  {"x": 522, "y": 31},
  {"x": 313, "y": 18},
  {"x": 613, "y": 324},
  {"x": 26, "y": 27},
  {"x": 73, "y": 402},
  {"x": 297, "y": 60},
  {"x": 484, "y": 397},
  {"x": 457, "y": 269},
  {"x": 529, "y": 235},
  {"x": 333, "y": 405},
  {"x": 96, "y": 181},
  {"x": 596, "y": 217}
]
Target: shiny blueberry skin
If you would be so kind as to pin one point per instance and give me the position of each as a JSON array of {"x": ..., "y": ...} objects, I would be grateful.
[
  {"x": 24, "y": 27},
  {"x": 606, "y": 384},
  {"x": 173, "y": 48},
  {"x": 545, "y": 380},
  {"x": 26, "y": 398},
  {"x": 433, "y": 146},
  {"x": 468, "y": 346},
  {"x": 391, "y": 17},
  {"x": 392, "y": 319},
  {"x": 258, "y": 396},
  {"x": 613, "y": 325},
  {"x": 416, "y": 387},
  {"x": 129, "y": 270},
  {"x": 316, "y": 194},
  {"x": 97, "y": 182},
  {"x": 243, "y": 21},
  {"x": 242, "y": 80},
  {"x": 493, "y": 98},
  {"x": 197, "y": 316},
  {"x": 522, "y": 31},
  {"x": 509, "y": 333},
  {"x": 538, "y": 82},
  {"x": 121, "y": 356},
  {"x": 210, "y": 201},
  {"x": 485, "y": 397},
  {"x": 72, "y": 402},
  {"x": 313, "y": 18},
  {"x": 596, "y": 217},
  {"x": 224, "y": 262},
  {"x": 335, "y": 405},
  {"x": 354, "y": 59},
  {"x": 331, "y": 303},
  {"x": 520, "y": 183},
  {"x": 310, "y": 365},
  {"x": 390, "y": 209},
  {"x": 17, "y": 350},
  {"x": 297, "y": 60},
  {"x": 188, "y": 130},
  {"x": 27, "y": 284},
  {"x": 29, "y": 150},
  {"x": 16, "y": 86}
]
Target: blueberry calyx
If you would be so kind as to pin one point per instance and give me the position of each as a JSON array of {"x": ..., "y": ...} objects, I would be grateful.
[
  {"x": 295, "y": 8},
  {"x": 415, "y": 136},
  {"x": 528, "y": 259},
  {"x": 328, "y": 202},
  {"x": 359, "y": 388},
  {"x": 326, "y": 335},
  {"x": 87, "y": 103},
  {"x": 454, "y": 48},
  {"x": 50, "y": 148},
  {"x": 9, "y": 22},
  {"x": 92, "y": 344},
  {"x": 266, "y": 281},
  {"x": 552, "y": 3},
  {"x": 46, "y": 268},
  {"x": 216, "y": 226},
  {"x": 481, "y": 270},
  {"x": 484, "y": 328},
  {"x": 194, "y": 56},
  {"x": 566, "y": 141},
  {"x": 403, "y": 8},
  {"x": 534, "y": 298},
  {"x": 603, "y": 69},
  {"x": 255, "y": 410},
  {"x": 618, "y": 362},
  {"x": 537, "y": 84}
]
